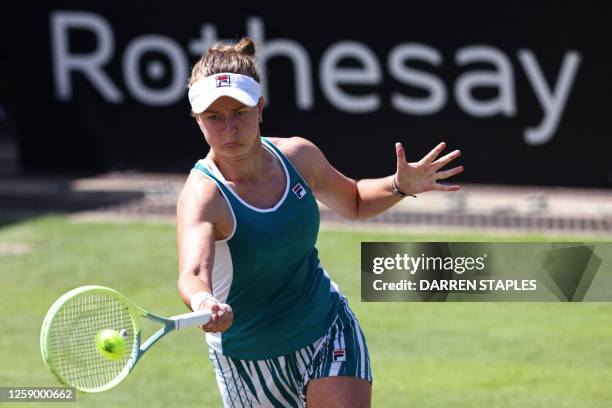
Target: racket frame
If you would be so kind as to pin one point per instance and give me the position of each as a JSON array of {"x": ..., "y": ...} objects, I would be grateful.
[{"x": 136, "y": 312}]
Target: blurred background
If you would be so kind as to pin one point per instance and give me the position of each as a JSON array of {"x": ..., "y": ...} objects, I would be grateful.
[
  {"x": 96, "y": 140},
  {"x": 98, "y": 92}
]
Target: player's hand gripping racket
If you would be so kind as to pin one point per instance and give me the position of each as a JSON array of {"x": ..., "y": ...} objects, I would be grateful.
[{"x": 90, "y": 338}]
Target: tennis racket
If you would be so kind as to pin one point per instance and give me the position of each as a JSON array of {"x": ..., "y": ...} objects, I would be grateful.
[{"x": 72, "y": 324}]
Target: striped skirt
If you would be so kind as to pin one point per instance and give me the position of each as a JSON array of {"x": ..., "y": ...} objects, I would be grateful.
[{"x": 282, "y": 381}]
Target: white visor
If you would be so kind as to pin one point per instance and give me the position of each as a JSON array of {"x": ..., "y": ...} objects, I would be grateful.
[{"x": 207, "y": 90}]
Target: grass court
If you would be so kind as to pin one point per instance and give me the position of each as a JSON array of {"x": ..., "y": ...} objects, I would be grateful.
[{"x": 423, "y": 354}]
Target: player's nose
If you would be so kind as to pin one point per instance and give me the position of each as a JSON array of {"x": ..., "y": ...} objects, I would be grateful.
[{"x": 229, "y": 124}]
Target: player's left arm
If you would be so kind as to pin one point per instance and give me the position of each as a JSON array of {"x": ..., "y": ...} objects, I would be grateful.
[{"x": 358, "y": 199}]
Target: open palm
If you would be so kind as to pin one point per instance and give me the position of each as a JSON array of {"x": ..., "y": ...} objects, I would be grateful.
[{"x": 422, "y": 176}]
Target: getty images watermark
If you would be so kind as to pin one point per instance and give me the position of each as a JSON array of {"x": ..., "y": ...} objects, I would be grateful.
[{"x": 475, "y": 271}]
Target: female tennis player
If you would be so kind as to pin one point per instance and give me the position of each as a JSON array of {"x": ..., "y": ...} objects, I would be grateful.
[{"x": 282, "y": 334}]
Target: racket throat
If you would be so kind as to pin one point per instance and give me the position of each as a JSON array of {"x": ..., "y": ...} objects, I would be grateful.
[{"x": 155, "y": 338}]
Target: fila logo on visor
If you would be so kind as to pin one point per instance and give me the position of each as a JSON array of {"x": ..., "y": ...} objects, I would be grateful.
[
  {"x": 299, "y": 190},
  {"x": 222, "y": 80}
]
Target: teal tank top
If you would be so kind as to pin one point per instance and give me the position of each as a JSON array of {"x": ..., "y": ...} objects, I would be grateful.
[{"x": 268, "y": 271}]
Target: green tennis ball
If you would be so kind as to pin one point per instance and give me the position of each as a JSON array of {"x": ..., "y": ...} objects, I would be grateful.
[{"x": 111, "y": 344}]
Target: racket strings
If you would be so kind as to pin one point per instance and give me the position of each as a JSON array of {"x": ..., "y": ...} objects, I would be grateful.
[{"x": 72, "y": 340}]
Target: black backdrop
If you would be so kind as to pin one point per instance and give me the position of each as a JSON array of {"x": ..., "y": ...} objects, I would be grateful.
[{"x": 475, "y": 74}]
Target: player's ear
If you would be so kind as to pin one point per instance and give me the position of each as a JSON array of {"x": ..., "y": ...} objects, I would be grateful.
[{"x": 260, "y": 106}]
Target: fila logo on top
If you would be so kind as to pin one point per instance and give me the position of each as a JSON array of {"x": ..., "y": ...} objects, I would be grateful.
[
  {"x": 299, "y": 191},
  {"x": 222, "y": 80}
]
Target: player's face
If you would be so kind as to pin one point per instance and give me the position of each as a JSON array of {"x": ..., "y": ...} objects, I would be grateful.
[{"x": 229, "y": 127}]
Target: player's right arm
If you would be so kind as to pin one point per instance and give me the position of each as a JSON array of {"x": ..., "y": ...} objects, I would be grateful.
[{"x": 198, "y": 210}]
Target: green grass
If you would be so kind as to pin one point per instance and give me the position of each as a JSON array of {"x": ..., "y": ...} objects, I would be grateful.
[{"x": 423, "y": 354}]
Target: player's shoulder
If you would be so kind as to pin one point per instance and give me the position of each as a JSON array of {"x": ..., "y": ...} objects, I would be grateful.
[
  {"x": 296, "y": 147},
  {"x": 305, "y": 156},
  {"x": 198, "y": 192}
]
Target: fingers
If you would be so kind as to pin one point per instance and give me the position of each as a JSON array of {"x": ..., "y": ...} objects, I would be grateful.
[
  {"x": 401, "y": 155},
  {"x": 431, "y": 156},
  {"x": 221, "y": 318},
  {"x": 216, "y": 314},
  {"x": 441, "y": 175},
  {"x": 443, "y": 161},
  {"x": 214, "y": 318},
  {"x": 444, "y": 187}
]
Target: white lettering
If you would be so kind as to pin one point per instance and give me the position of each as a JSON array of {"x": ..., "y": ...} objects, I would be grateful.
[
  {"x": 376, "y": 267},
  {"x": 175, "y": 91},
  {"x": 437, "y": 91},
  {"x": 335, "y": 78},
  {"x": 416, "y": 262},
  {"x": 553, "y": 103},
  {"x": 89, "y": 64},
  {"x": 502, "y": 79},
  {"x": 332, "y": 76}
]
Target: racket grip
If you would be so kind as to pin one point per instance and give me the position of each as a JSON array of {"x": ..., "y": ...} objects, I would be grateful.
[{"x": 191, "y": 319}]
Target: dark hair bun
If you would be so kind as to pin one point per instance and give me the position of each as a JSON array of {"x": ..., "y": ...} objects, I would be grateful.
[{"x": 246, "y": 46}]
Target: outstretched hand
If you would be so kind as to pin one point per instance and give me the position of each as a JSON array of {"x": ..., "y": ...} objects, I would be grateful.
[{"x": 422, "y": 176}]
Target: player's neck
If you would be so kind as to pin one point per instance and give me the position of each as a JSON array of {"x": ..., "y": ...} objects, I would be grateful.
[{"x": 250, "y": 167}]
